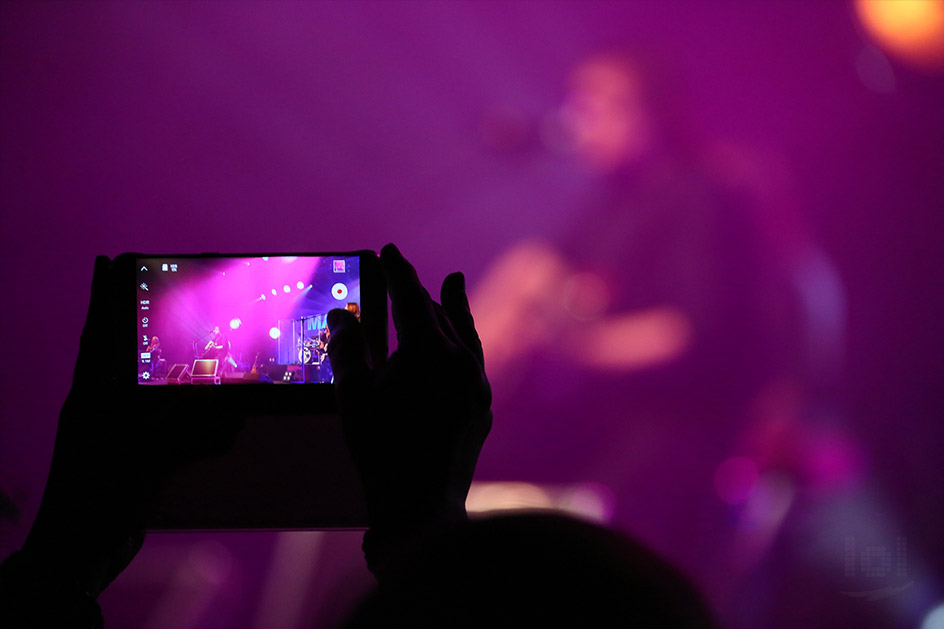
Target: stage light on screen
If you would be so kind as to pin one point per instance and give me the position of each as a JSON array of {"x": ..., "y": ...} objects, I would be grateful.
[
  {"x": 235, "y": 323},
  {"x": 912, "y": 30},
  {"x": 262, "y": 297},
  {"x": 265, "y": 258},
  {"x": 300, "y": 285},
  {"x": 274, "y": 333},
  {"x": 275, "y": 292},
  {"x": 287, "y": 288}
]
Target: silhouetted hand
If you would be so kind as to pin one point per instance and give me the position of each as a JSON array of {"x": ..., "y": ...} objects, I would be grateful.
[
  {"x": 87, "y": 529},
  {"x": 416, "y": 425},
  {"x": 111, "y": 456}
]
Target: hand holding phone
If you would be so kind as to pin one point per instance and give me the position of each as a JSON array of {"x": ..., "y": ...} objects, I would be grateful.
[
  {"x": 109, "y": 460},
  {"x": 416, "y": 424}
]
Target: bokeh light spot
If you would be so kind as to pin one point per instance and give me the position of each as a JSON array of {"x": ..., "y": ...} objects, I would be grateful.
[
  {"x": 500, "y": 496},
  {"x": 591, "y": 501},
  {"x": 735, "y": 479},
  {"x": 769, "y": 502},
  {"x": 912, "y": 30},
  {"x": 934, "y": 619},
  {"x": 274, "y": 333},
  {"x": 875, "y": 71},
  {"x": 211, "y": 561}
]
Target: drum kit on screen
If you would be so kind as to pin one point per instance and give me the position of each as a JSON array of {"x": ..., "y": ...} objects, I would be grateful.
[{"x": 312, "y": 351}]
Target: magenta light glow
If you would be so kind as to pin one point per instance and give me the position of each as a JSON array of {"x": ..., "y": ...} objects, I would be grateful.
[
  {"x": 735, "y": 479},
  {"x": 201, "y": 302}
]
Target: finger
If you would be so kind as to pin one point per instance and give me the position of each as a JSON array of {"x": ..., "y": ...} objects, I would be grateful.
[
  {"x": 445, "y": 324},
  {"x": 413, "y": 314},
  {"x": 347, "y": 351},
  {"x": 95, "y": 342},
  {"x": 456, "y": 305}
]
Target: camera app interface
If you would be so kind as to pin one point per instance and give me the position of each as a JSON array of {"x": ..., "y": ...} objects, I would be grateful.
[{"x": 240, "y": 320}]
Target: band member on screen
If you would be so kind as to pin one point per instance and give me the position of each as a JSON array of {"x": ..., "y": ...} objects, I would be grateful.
[
  {"x": 154, "y": 347},
  {"x": 219, "y": 348},
  {"x": 218, "y": 345},
  {"x": 323, "y": 337},
  {"x": 325, "y": 373},
  {"x": 355, "y": 309}
]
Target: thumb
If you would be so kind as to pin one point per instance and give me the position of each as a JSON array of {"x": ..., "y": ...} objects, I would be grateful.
[{"x": 348, "y": 353}]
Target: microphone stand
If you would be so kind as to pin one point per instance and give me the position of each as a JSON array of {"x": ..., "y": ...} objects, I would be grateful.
[
  {"x": 197, "y": 346},
  {"x": 302, "y": 350}
]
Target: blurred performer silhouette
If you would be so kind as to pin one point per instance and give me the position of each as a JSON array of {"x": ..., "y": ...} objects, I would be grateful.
[
  {"x": 646, "y": 274},
  {"x": 634, "y": 344}
]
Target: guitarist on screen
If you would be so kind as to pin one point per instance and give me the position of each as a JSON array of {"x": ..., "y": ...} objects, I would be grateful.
[{"x": 218, "y": 346}]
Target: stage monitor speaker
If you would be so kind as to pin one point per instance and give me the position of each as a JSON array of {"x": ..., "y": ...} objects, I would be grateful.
[
  {"x": 204, "y": 371},
  {"x": 205, "y": 367},
  {"x": 178, "y": 374}
]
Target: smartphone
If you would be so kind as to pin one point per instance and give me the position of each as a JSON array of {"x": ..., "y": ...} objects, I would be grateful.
[{"x": 245, "y": 335}]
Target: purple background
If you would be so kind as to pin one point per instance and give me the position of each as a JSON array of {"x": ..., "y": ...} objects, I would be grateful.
[{"x": 177, "y": 127}]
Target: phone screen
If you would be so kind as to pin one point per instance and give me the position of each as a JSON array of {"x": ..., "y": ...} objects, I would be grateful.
[{"x": 240, "y": 319}]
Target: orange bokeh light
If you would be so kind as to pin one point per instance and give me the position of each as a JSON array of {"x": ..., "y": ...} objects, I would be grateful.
[{"x": 911, "y": 30}]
